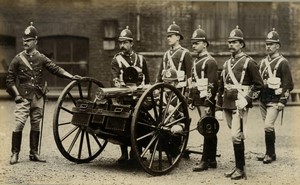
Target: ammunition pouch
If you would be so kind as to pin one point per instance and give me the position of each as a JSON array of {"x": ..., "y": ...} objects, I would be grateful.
[{"x": 274, "y": 82}]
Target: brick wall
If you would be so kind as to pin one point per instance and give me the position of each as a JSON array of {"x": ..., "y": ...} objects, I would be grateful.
[{"x": 84, "y": 18}]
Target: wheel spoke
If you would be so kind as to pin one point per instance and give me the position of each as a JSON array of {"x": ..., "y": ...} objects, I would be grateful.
[
  {"x": 68, "y": 134},
  {"x": 73, "y": 142},
  {"x": 65, "y": 123},
  {"x": 175, "y": 121},
  {"x": 80, "y": 90},
  {"x": 153, "y": 154},
  {"x": 146, "y": 125},
  {"x": 167, "y": 105},
  {"x": 72, "y": 98},
  {"x": 97, "y": 141},
  {"x": 148, "y": 146},
  {"x": 80, "y": 144},
  {"x": 172, "y": 113},
  {"x": 161, "y": 104},
  {"x": 88, "y": 144},
  {"x": 146, "y": 135},
  {"x": 148, "y": 115},
  {"x": 89, "y": 90},
  {"x": 65, "y": 109}
]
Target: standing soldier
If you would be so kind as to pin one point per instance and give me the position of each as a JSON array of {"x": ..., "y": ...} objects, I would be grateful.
[
  {"x": 278, "y": 84},
  {"x": 176, "y": 57},
  {"x": 203, "y": 89},
  {"x": 24, "y": 82},
  {"x": 240, "y": 83},
  {"x": 127, "y": 57}
]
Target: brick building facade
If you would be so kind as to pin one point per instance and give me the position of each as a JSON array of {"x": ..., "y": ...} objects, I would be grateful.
[{"x": 81, "y": 35}]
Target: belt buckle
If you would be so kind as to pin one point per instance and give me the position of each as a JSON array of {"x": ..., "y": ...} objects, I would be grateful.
[{"x": 229, "y": 87}]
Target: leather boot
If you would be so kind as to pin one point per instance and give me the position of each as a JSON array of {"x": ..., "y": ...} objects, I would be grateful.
[
  {"x": 203, "y": 165},
  {"x": 34, "y": 143},
  {"x": 15, "y": 147},
  {"x": 212, "y": 162},
  {"x": 124, "y": 154},
  {"x": 270, "y": 145},
  {"x": 239, "y": 150}
]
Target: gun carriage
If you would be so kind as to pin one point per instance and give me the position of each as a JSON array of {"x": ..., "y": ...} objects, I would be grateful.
[{"x": 88, "y": 116}]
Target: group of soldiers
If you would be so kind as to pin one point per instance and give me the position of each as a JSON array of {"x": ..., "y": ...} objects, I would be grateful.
[
  {"x": 228, "y": 96},
  {"x": 242, "y": 81}
]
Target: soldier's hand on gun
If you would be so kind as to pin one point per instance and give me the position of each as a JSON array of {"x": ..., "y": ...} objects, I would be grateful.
[
  {"x": 19, "y": 99},
  {"x": 219, "y": 115},
  {"x": 77, "y": 77},
  {"x": 176, "y": 129},
  {"x": 280, "y": 106}
]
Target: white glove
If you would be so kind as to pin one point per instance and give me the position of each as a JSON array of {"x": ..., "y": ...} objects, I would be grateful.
[
  {"x": 241, "y": 103},
  {"x": 219, "y": 115},
  {"x": 176, "y": 129}
]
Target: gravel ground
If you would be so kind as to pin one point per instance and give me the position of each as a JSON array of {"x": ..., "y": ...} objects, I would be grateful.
[{"x": 105, "y": 170}]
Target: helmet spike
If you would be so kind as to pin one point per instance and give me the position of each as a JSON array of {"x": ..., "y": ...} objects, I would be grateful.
[
  {"x": 31, "y": 23},
  {"x": 273, "y": 29},
  {"x": 199, "y": 26},
  {"x": 237, "y": 27},
  {"x": 127, "y": 27},
  {"x": 174, "y": 22}
]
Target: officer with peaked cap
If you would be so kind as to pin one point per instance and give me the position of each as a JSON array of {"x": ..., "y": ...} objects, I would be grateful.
[
  {"x": 125, "y": 58},
  {"x": 176, "y": 57},
  {"x": 203, "y": 88},
  {"x": 25, "y": 83},
  {"x": 240, "y": 83},
  {"x": 278, "y": 83}
]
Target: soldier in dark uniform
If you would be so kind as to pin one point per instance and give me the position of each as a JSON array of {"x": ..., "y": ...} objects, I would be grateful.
[
  {"x": 240, "y": 83},
  {"x": 278, "y": 84},
  {"x": 203, "y": 88},
  {"x": 24, "y": 82},
  {"x": 176, "y": 57},
  {"x": 127, "y": 57}
]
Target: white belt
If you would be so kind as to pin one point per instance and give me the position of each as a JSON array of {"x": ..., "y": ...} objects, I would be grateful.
[{"x": 241, "y": 87}]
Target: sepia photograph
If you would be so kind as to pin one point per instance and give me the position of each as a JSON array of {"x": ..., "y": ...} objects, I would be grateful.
[{"x": 149, "y": 92}]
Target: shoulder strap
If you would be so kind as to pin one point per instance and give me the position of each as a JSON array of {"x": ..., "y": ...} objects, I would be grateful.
[
  {"x": 170, "y": 60},
  {"x": 276, "y": 66},
  {"x": 121, "y": 60},
  {"x": 230, "y": 72},
  {"x": 25, "y": 61},
  {"x": 181, "y": 58},
  {"x": 141, "y": 60},
  {"x": 203, "y": 66},
  {"x": 244, "y": 70}
]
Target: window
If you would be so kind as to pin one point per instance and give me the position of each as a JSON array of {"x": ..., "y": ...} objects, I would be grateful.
[
  {"x": 110, "y": 34},
  {"x": 69, "y": 52},
  {"x": 7, "y": 53}
]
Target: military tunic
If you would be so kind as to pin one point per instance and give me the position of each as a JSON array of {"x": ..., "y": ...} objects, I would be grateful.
[
  {"x": 205, "y": 65},
  {"x": 29, "y": 83},
  {"x": 244, "y": 82},
  {"x": 176, "y": 58},
  {"x": 270, "y": 97},
  {"x": 252, "y": 82},
  {"x": 283, "y": 72},
  {"x": 133, "y": 59}
]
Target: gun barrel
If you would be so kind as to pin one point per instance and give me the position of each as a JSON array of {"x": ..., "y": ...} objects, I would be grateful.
[{"x": 113, "y": 92}]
